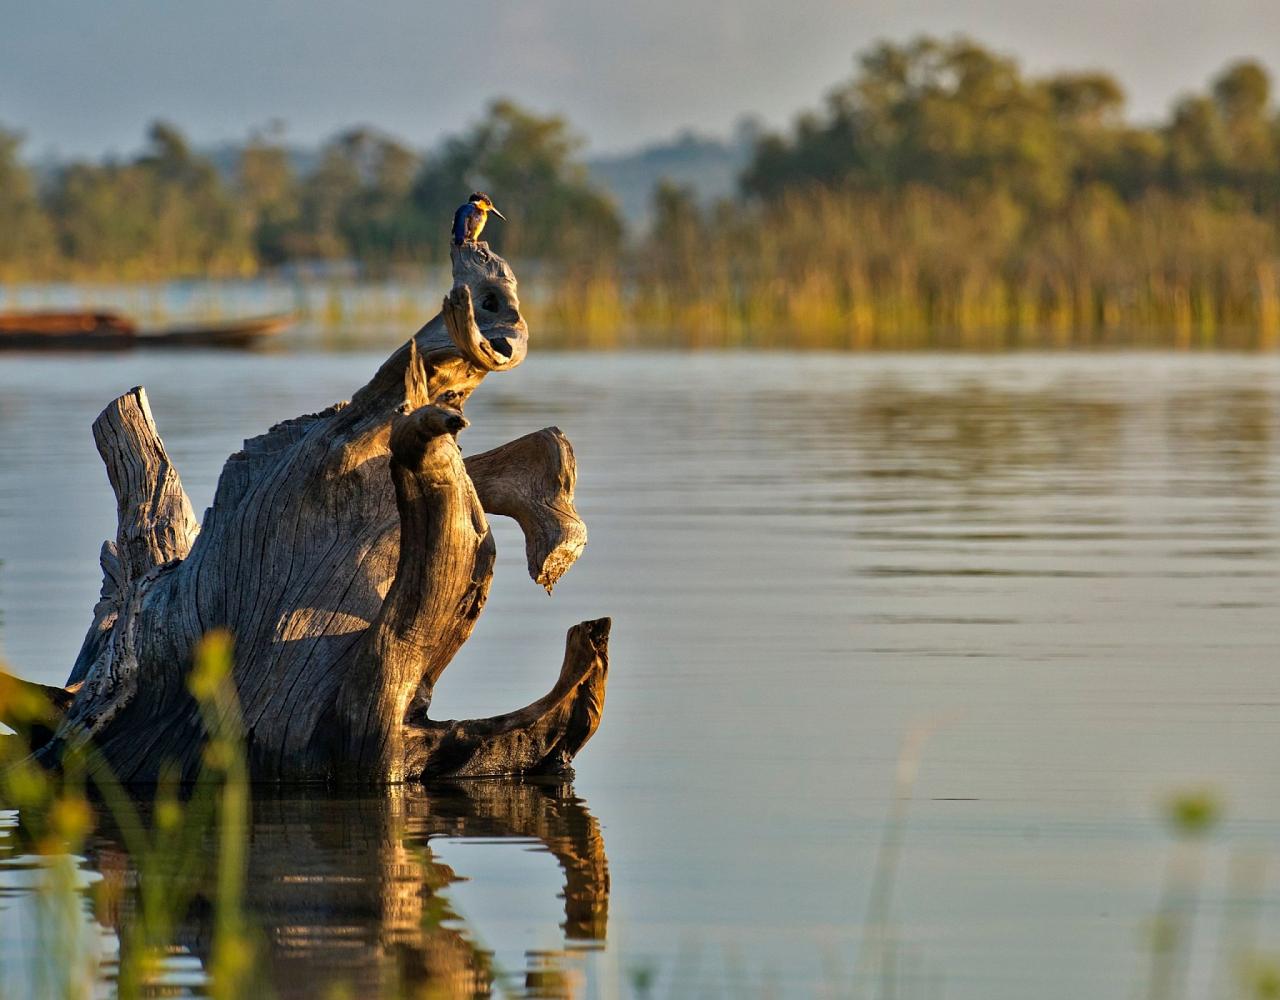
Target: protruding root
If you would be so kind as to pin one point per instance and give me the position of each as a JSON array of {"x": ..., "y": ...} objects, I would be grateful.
[
  {"x": 541, "y": 738},
  {"x": 531, "y": 479}
]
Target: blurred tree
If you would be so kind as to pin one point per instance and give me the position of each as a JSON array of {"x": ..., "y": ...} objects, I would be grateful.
[
  {"x": 526, "y": 163},
  {"x": 324, "y": 196},
  {"x": 26, "y": 236},
  {"x": 100, "y": 218},
  {"x": 167, "y": 212},
  {"x": 1242, "y": 94},
  {"x": 195, "y": 226},
  {"x": 1242, "y": 91},
  {"x": 677, "y": 234},
  {"x": 951, "y": 115},
  {"x": 268, "y": 192},
  {"x": 1196, "y": 142},
  {"x": 375, "y": 220},
  {"x": 1085, "y": 99},
  {"x": 355, "y": 203},
  {"x": 677, "y": 218}
]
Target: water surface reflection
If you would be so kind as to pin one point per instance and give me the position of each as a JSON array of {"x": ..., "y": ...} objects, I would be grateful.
[
  {"x": 1073, "y": 558},
  {"x": 351, "y": 894}
]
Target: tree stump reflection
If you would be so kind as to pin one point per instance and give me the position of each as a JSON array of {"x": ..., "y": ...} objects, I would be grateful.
[{"x": 346, "y": 892}]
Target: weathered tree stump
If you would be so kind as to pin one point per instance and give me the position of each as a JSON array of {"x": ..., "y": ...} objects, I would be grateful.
[{"x": 349, "y": 554}]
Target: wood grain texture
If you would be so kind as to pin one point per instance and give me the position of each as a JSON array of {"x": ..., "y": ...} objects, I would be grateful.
[
  {"x": 155, "y": 522},
  {"x": 348, "y": 553}
]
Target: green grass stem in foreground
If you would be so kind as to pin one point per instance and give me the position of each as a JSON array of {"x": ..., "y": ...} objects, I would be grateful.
[{"x": 58, "y": 813}]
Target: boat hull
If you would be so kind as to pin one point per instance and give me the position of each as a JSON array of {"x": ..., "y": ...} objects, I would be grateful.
[{"x": 67, "y": 331}]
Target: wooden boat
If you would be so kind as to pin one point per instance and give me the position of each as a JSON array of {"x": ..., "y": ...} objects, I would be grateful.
[
  {"x": 64, "y": 330},
  {"x": 237, "y": 333},
  {"x": 112, "y": 331}
]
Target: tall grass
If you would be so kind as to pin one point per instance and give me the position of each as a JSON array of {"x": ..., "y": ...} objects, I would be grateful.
[
  {"x": 920, "y": 269},
  {"x": 194, "y": 846}
]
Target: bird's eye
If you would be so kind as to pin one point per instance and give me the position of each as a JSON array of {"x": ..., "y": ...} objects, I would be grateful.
[{"x": 490, "y": 303}]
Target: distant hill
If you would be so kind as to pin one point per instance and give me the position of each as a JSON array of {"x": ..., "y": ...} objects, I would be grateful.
[{"x": 708, "y": 165}]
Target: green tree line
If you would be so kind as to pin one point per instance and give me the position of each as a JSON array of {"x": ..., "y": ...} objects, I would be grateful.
[
  {"x": 169, "y": 212},
  {"x": 940, "y": 194}
]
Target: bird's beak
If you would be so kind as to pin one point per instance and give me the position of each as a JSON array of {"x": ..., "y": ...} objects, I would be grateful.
[{"x": 494, "y": 209}]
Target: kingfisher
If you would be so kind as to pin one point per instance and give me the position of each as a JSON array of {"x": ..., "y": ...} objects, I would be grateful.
[{"x": 469, "y": 220}]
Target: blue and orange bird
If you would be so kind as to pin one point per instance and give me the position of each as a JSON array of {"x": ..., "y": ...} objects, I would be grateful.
[{"x": 469, "y": 220}]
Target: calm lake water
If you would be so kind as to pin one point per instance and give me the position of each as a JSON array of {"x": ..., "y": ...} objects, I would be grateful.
[{"x": 1060, "y": 572}]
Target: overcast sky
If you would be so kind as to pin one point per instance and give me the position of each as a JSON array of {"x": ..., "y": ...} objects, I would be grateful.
[{"x": 85, "y": 76}]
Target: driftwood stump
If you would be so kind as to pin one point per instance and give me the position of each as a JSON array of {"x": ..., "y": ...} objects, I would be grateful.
[{"x": 349, "y": 555}]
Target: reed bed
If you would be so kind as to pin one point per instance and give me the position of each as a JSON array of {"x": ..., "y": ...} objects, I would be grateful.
[
  {"x": 912, "y": 270},
  {"x": 921, "y": 270}
]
